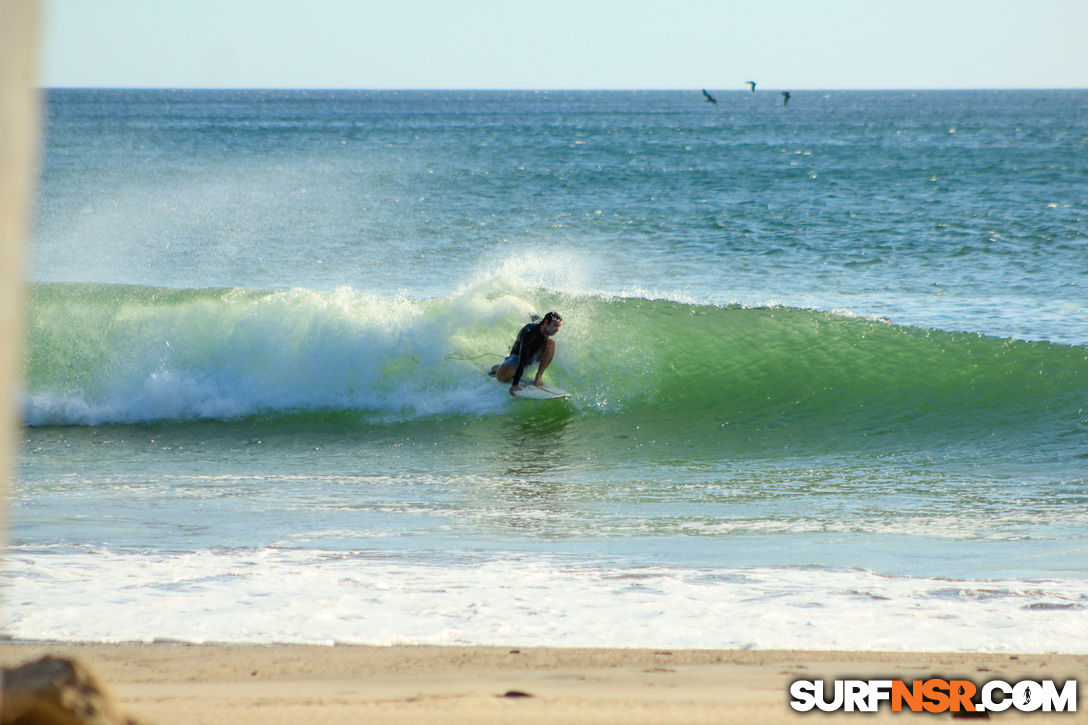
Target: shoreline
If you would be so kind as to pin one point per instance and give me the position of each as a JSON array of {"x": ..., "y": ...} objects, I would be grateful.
[{"x": 186, "y": 684}]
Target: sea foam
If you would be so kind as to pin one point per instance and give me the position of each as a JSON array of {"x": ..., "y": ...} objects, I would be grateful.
[{"x": 273, "y": 595}]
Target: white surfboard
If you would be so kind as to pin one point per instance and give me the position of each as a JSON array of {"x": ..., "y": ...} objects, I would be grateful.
[{"x": 543, "y": 392}]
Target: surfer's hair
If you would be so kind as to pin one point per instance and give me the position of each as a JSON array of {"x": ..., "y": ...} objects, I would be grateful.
[{"x": 553, "y": 316}]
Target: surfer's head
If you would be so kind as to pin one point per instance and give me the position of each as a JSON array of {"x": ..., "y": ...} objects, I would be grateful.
[{"x": 551, "y": 323}]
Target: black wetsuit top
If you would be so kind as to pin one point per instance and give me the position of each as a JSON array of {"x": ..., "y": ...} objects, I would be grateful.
[{"x": 529, "y": 342}]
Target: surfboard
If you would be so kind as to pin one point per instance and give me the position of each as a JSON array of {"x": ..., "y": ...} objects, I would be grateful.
[{"x": 544, "y": 392}]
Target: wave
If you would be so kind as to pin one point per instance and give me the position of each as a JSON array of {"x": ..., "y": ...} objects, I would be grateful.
[{"x": 101, "y": 354}]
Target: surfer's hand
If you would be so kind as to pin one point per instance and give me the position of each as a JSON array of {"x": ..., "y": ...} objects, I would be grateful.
[{"x": 514, "y": 389}]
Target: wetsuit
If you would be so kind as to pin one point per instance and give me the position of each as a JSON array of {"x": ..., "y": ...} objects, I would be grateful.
[{"x": 527, "y": 348}]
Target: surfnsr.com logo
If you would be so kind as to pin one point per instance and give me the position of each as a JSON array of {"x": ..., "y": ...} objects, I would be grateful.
[{"x": 934, "y": 695}]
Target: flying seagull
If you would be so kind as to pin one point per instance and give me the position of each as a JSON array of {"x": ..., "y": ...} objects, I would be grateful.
[
  {"x": 785, "y": 97},
  {"x": 752, "y": 85},
  {"x": 709, "y": 98}
]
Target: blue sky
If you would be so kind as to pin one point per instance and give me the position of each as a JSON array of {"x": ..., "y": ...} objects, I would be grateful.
[{"x": 565, "y": 44}]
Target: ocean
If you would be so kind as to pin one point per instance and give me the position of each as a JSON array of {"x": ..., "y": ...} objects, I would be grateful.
[{"x": 829, "y": 365}]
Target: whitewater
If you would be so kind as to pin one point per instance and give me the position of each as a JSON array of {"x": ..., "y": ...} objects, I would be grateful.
[{"x": 828, "y": 365}]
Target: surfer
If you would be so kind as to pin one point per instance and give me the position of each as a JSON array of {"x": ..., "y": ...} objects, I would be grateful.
[{"x": 534, "y": 344}]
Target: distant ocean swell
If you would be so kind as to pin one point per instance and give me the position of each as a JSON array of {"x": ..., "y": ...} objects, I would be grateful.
[{"x": 119, "y": 354}]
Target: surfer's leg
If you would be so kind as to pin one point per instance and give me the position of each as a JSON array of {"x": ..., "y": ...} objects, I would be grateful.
[{"x": 504, "y": 372}]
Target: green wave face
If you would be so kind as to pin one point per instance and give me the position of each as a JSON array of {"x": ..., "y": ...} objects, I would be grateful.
[
  {"x": 788, "y": 374},
  {"x": 696, "y": 377}
]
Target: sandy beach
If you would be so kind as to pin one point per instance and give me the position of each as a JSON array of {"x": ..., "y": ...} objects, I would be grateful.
[{"x": 176, "y": 684}]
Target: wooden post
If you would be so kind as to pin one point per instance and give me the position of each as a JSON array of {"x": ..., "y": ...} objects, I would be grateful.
[{"x": 18, "y": 162}]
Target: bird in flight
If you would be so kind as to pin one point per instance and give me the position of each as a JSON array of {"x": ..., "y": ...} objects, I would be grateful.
[
  {"x": 785, "y": 97},
  {"x": 709, "y": 98},
  {"x": 752, "y": 85}
]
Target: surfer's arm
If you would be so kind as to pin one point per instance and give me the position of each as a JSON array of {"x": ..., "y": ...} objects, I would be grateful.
[
  {"x": 520, "y": 349},
  {"x": 517, "y": 374}
]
